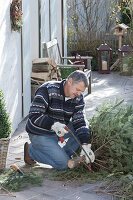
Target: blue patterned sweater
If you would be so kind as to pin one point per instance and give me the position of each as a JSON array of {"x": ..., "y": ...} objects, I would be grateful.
[{"x": 49, "y": 106}]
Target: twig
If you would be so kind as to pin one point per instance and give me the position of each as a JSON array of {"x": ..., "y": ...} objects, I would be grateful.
[
  {"x": 9, "y": 193},
  {"x": 104, "y": 192},
  {"x": 109, "y": 186},
  {"x": 102, "y": 146},
  {"x": 100, "y": 160},
  {"x": 101, "y": 165}
]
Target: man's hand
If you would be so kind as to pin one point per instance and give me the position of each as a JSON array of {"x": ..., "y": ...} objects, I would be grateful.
[
  {"x": 59, "y": 129},
  {"x": 90, "y": 153}
]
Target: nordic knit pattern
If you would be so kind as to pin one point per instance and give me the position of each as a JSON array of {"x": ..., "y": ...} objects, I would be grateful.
[{"x": 49, "y": 106}]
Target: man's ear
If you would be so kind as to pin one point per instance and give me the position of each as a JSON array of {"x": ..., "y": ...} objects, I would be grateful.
[{"x": 70, "y": 81}]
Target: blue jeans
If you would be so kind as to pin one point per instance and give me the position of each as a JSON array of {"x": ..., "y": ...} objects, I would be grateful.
[{"x": 45, "y": 149}]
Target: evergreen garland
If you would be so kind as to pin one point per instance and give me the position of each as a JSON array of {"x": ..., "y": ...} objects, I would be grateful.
[{"x": 16, "y": 15}]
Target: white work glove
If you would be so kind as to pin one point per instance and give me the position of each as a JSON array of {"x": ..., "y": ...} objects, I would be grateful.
[
  {"x": 90, "y": 153},
  {"x": 59, "y": 129}
]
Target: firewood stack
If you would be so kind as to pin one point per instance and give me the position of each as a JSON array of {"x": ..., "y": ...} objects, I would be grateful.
[{"x": 43, "y": 69}]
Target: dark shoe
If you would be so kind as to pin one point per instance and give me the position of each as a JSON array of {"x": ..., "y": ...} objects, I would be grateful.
[{"x": 27, "y": 158}]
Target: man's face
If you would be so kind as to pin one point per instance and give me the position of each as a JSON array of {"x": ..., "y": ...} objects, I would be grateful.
[{"x": 75, "y": 89}]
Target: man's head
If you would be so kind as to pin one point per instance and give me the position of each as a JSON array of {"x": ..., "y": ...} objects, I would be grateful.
[{"x": 75, "y": 84}]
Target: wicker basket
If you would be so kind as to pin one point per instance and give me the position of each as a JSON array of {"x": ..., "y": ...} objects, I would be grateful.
[{"x": 4, "y": 143}]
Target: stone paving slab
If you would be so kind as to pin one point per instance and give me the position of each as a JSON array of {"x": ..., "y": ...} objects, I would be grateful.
[
  {"x": 108, "y": 87},
  {"x": 58, "y": 192}
]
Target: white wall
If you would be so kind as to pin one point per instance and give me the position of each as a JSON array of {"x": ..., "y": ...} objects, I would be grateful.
[
  {"x": 30, "y": 47},
  {"x": 34, "y": 29},
  {"x": 11, "y": 69},
  {"x": 27, "y": 62},
  {"x": 51, "y": 26},
  {"x": 16, "y": 65},
  {"x": 10, "y": 65},
  {"x": 65, "y": 27},
  {"x": 56, "y": 26},
  {"x": 45, "y": 26}
]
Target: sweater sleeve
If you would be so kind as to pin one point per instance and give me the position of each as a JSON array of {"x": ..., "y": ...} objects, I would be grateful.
[
  {"x": 39, "y": 122},
  {"x": 80, "y": 124}
]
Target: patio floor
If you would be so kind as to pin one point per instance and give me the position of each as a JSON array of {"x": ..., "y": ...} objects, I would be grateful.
[{"x": 104, "y": 87}]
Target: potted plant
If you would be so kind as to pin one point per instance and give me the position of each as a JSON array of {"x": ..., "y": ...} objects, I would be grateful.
[{"x": 5, "y": 131}]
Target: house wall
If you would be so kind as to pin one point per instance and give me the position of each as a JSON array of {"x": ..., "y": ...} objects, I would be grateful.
[
  {"x": 26, "y": 56},
  {"x": 51, "y": 21},
  {"x": 16, "y": 59},
  {"x": 10, "y": 65},
  {"x": 34, "y": 29},
  {"x": 65, "y": 27},
  {"x": 56, "y": 24},
  {"x": 17, "y": 50},
  {"x": 30, "y": 47},
  {"x": 45, "y": 21}
]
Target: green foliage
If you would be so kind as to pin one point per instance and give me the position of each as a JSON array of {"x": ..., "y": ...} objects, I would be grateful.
[
  {"x": 120, "y": 185},
  {"x": 13, "y": 181},
  {"x": 126, "y": 16},
  {"x": 94, "y": 64},
  {"x": 112, "y": 128},
  {"x": 126, "y": 66},
  {"x": 126, "y": 12},
  {"x": 65, "y": 72},
  {"x": 79, "y": 175},
  {"x": 5, "y": 125},
  {"x": 122, "y": 12}
]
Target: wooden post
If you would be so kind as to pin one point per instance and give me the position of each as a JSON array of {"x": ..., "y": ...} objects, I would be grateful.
[{"x": 120, "y": 41}]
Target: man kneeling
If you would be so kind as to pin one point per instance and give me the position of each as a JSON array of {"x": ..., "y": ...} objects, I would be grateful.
[{"x": 57, "y": 105}]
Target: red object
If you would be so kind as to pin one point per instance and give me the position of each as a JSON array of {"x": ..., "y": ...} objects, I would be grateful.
[{"x": 61, "y": 139}]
